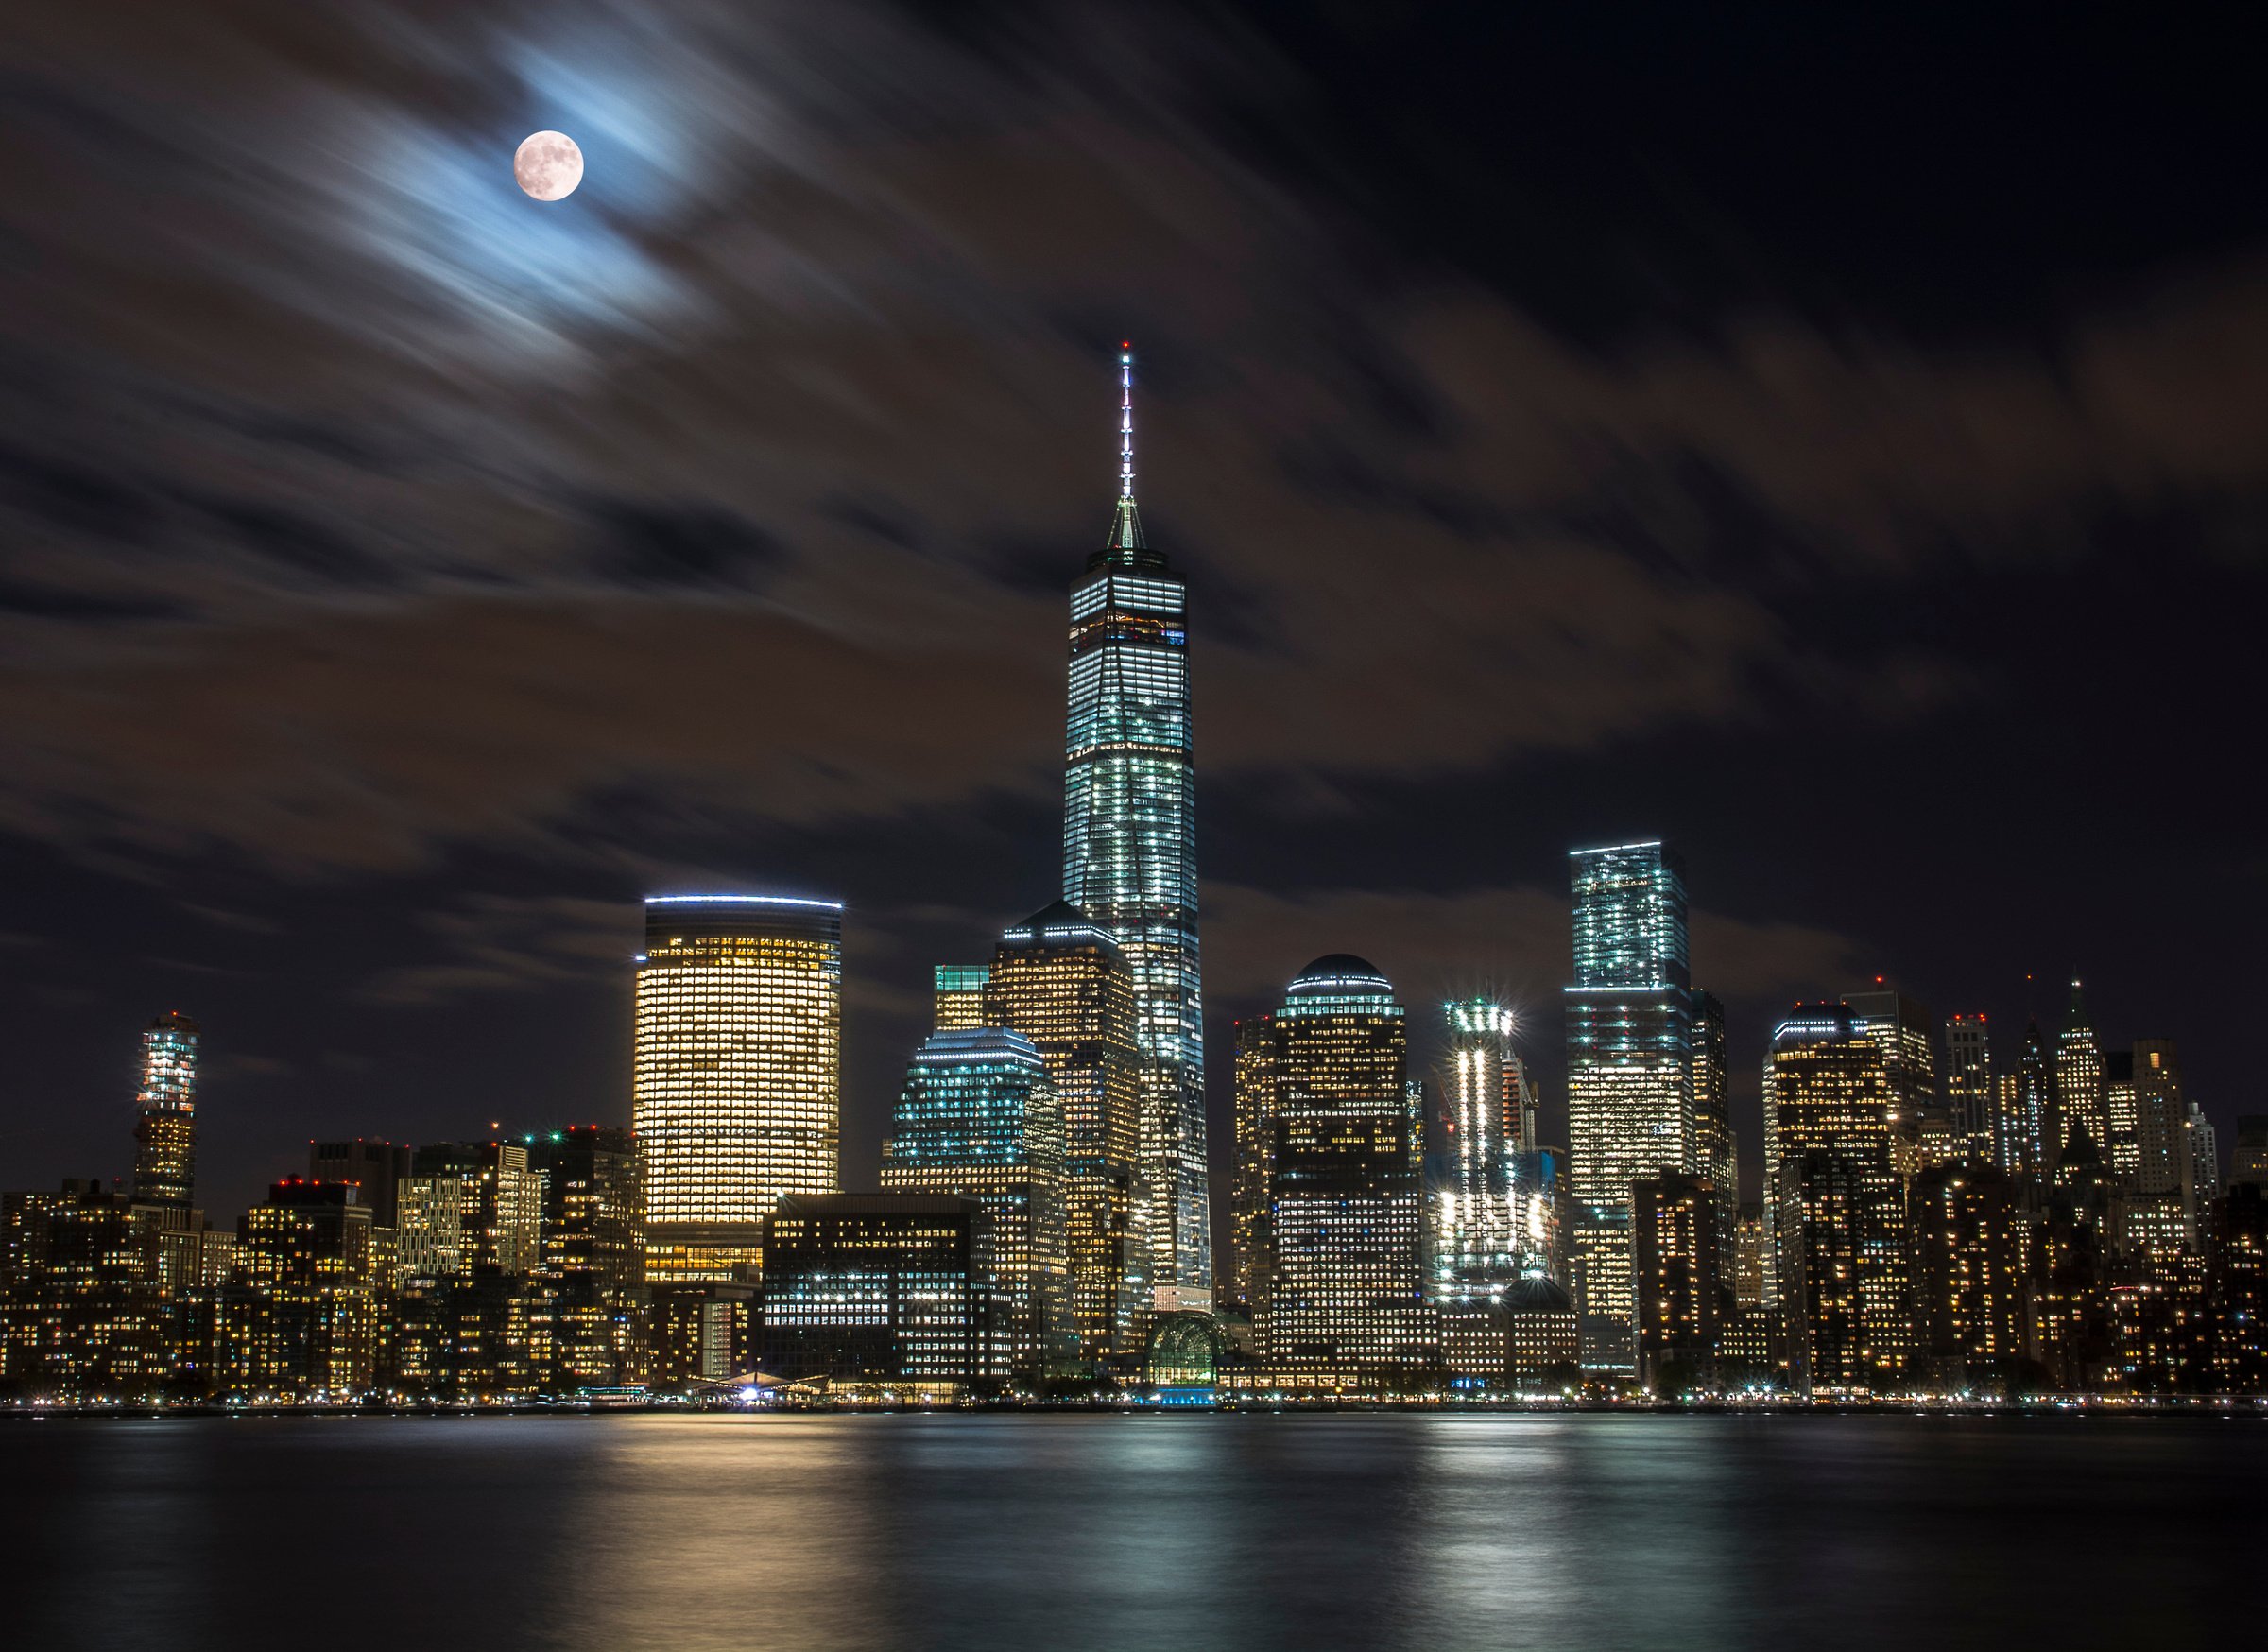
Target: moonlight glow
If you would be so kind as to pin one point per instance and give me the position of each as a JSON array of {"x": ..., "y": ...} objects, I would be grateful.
[{"x": 548, "y": 166}]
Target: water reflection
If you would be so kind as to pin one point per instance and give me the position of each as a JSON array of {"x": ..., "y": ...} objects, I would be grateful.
[{"x": 1008, "y": 1531}]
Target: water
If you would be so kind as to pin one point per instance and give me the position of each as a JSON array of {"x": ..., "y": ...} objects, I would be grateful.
[{"x": 1007, "y": 1532}]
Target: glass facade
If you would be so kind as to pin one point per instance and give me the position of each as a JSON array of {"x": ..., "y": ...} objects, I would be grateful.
[
  {"x": 1630, "y": 1068},
  {"x": 1969, "y": 1088},
  {"x": 165, "y": 1113},
  {"x": 877, "y": 1289},
  {"x": 736, "y": 1089},
  {"x": 978, "y": 1119},
  {"x": 1130, "y": 850}
]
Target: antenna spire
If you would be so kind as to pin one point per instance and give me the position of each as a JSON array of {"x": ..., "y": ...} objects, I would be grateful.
[{"x": 1125, "y": 420}]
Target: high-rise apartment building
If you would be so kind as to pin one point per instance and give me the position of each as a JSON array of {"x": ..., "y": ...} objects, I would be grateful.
[
  {"x": 1343, "y": 1305},
  {"x": 1477, "y": 1231},
  {"x": 591, "y": 1204},
  {"x": 1716, "y": 1152},
  {"x": 165, "y": 1113},
  {"x": 1836, "y": 1202},
  {"x": 1674, "y": 1251},
  {"x": 2079, "y": 1079},
  {"x": 1968, "y": 1091},
  {"x": 1062, "y": 983},
  {"x": 1968, "y": 1239},
  {"x": 1129, "y": 854},
  {"x": 737, "y": 1085},
  {"x": 978, "y": 1119},
  {"x": 1909, "y": 1044},
  {"x": 1629, "y": 1060},
  {"x": 299, "y": 1322},
  {"x": 469, "y": 1207},
  {"x": 376, "y": 1167}
]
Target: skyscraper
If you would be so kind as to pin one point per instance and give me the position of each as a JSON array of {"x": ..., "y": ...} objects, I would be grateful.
[
  {"x": 1343, "y": 1304},
  {"x": 1061, "y": 982},
  {"x": 1969, "y": 1085},
  {"x": 736, "y": 1093},
  {"x": 1255, "y": 1178},
  {"x": 959, "y": 995},
  {"x": 978, "y": 1119},
  {"x": 1836, "y": 1205},
  {"x": 1968, "y": 1259},
  {"x": 1716, "y": 1153},
  {"x": 1675, "y": 1249},
  {"x": 2079, "y": 1079},
  {"x": 1129, "y": 851},
  {"x": 165, "y": 1113},
  {"x": 1908, "y": 1046},
  {"x": 1629, "y": 1059},
  {"x": 1477, "y": 1229},
  {"x": 2030, "y": 1118}
]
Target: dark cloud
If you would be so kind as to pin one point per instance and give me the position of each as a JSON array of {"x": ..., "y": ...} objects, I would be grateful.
[{"x": 367, "y": 524}]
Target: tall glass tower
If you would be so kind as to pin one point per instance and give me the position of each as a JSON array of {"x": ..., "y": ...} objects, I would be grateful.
[
  {"x": 1478, "y": 1228},
  {"x": 1629, "y": 1068},
  {"x": 165, "y": 1113},
  {"x": 1129, "y": 854}
]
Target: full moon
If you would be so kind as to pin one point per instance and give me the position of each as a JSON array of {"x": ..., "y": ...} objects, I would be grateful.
[{"x": 548, "y": 166}]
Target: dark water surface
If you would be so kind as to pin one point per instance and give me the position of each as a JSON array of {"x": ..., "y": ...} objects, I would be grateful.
[{"x": 1010, "y": 1532}]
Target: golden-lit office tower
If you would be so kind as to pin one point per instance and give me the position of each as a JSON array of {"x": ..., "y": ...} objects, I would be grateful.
[
  {"x": 1477, "y": 1231},
  {"x": 165, "y": 1113},
  {"x": 1716, "y": 1153},
  {"x": 1675, "y": 1250},
  {"x": 1970, "y": 1275},
  {"x": 299, "y": 1322},
  {"x": 1345, "y": 1305},
  {"x": 959, "y": 996},
  {"x": 1254, "y": 1181},
  {"x": 737, "y": 1081},
  {"x": 1061, "y": 982},
  {"x": 2121, "y": 1118},
  {"x": 978, "y": 1119},
  {"x": 1909, "y": 1044},
  {"x": 1836, "y": 1202},
  {"x": 1629, "y": 1069},
  {"x": 1968, "y": 1092},
  {"x": 2079, "y": 1077}
]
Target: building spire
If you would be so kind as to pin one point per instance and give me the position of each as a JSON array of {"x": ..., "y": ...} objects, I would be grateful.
[{"x": 1126, "y": 524}]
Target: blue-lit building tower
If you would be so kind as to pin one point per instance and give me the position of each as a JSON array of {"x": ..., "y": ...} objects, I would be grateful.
[
  {"x": 1629, "y": 1070},
  {"x": 1129, "y": 855},
  {"x": 979, "y": 1118}
]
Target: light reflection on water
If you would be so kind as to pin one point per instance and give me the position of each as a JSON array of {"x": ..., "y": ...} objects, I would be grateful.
[{"x": 1008, "y": 1531}]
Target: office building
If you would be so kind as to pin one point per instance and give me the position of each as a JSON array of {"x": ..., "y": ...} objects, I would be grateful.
[
  {"x": 978, "y": 1119},
  {"x": 1129, "y": 854},
  {"x": 1061, "y": 982},
  {"x": 737, "y": 1057},
  {"x": 1835, "y": 1202},
  {"x": 1476, "y": 1223},
  {"x": 2121, "y": 1117},
  {"x": 2079, "y": 1077},
  {"x": 2030, "y": 1111},
  {"x": 1675, "y": 1249},
  {"x": 957, "y": 997},
  {"x": 1629, "y": 1059},
  {"x": 2249, "y": 1157},
  {"x": 1344, "y": 1306},
  {"x": 885, "y": 1290},
  {"x": 2204, "y": 1156}
]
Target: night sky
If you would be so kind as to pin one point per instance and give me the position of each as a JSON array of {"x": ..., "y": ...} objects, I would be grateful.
[{"x": 1839, "y": 446}]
